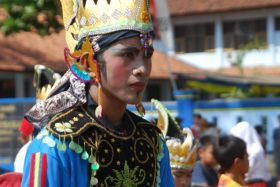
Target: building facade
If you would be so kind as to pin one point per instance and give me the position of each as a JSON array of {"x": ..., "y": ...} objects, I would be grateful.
[{"x": 209, "y": 34}]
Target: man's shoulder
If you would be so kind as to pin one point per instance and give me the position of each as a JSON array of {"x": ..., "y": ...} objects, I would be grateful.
[
  {"x": 197, "y": 168},
  {"x": 144, "y": 124},
  {"x": 70, "y": 122},
  {"x": 198, "y": 177},
  {"x": 70, "y": 113}
]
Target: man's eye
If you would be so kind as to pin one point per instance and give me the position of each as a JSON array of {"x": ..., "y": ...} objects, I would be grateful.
[
  {"x": 178, "y": 175},
  {"x": 128, "y": 55}
]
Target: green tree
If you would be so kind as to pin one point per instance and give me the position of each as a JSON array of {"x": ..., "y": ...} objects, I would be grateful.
[
  {"x": 41, "y": 16},
  {"x": 255, "y": 44}
]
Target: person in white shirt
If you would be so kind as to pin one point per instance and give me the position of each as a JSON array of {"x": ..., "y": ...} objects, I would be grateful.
[
  {"x": 19, "y": 160},
  {"x": 258, "y": 170}
]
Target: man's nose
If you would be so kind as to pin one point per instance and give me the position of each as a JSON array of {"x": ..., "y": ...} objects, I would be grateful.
[{"x": 141, "y": 67}]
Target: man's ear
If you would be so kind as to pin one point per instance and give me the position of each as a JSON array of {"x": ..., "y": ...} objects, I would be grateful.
[
  {"x": 236, "y": 161},
  {"x": 86, "y": 67}
]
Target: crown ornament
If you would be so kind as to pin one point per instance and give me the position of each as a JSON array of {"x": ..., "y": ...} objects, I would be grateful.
[
  {"x": 180, "y": 142},
  {"x": 166, "y": 122},
  {"x": 95, "y": 17},
  {"x": 183, "y": 153},
  {"x": 45, "y": 80}
]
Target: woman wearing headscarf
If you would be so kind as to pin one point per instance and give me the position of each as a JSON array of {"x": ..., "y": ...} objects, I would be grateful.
[
  {"x": 258, "y": 174},
  {"x": 88, "y": 138}
]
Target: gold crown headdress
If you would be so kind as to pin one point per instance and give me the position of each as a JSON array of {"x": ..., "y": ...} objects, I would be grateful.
[
  {"x": 93, "y": 17},
  {"x": 45, "y": 79},
  {"x": 183, "y": 153},
  {"x": 181, "y": 143}
]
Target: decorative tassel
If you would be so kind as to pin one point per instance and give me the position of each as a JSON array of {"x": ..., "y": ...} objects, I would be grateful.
[
  {"x": 94, "y": 167},
  {"x": 99, "y": 111},
  {"x": 140, "y": 109},
  {"x": 99, "y": 94},
  {"x": 61, "y": 146},
  {"x": 146, "y": 40}
]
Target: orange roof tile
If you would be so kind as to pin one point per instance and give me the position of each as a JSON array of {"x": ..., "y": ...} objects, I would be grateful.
[
  {"x": 188, "y": 7},
  {"x": 260, "y": 71},
  {"x": 21, "y": 51},
  {"x": 164, "y": 65}
]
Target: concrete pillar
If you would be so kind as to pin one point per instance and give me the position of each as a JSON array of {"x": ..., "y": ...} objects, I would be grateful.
[
  {"x": 19, "y": 80},
  {"x": 184, "y": 100},
  {"x": 270, "y": 27},
  {"x": 219, "y": 41}
]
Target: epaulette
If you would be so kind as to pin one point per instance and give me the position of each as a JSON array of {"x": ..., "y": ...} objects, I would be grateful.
[{"x": 70, "y": 123}]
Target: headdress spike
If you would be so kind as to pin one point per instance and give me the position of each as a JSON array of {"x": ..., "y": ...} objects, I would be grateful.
[{"x": 181, "y": 143}]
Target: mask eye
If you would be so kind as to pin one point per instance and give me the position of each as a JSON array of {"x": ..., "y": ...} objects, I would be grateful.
[{"x": 129, "y": 55}]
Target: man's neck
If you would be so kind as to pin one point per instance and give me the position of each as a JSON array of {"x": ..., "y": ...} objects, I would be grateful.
[{"x": 113, "y": 108}]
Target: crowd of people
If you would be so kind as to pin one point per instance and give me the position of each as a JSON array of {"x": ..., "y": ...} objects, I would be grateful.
[{"x": 237, "y": 158}]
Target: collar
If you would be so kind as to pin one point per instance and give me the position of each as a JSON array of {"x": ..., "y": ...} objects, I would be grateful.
[{"x": 123, "y": 128}]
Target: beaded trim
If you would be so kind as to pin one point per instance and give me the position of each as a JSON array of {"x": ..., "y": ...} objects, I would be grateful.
[
  {"x": 159, "y": 158},
  {"x": 47, "y": 139}
]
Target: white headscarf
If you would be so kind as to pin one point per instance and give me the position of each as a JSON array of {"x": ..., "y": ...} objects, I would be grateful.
[{"x": 257, "y": 162}]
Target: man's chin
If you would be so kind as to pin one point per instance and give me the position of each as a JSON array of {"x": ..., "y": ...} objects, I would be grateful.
[{"x": 134, "y": 101}]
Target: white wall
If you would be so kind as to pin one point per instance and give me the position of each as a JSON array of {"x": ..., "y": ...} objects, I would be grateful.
[
  {"x": 218, "y": 58},
  {"x": 227, "y": 118}
]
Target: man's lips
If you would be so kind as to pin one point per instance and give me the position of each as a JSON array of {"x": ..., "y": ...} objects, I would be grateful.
[{"x": 138, "y": 86}]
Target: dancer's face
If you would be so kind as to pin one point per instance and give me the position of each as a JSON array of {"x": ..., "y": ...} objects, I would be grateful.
[
  {"x": 182, "y": 177},
  {"x": 126, "y": 70}
]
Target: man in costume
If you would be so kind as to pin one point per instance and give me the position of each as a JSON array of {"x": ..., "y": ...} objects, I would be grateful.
[
  {"x": 88, "y": 138},
  {"x": 181, "y": 144}
]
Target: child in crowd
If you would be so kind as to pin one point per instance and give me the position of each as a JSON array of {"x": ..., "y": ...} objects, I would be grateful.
[
  {"x": 204, "y": 174},
  {"x": 196, "y": 127},
  {"x": 181, "y": 144},
  {"x": 258, "y": 174},
  {"x": 231, "y": 154}
]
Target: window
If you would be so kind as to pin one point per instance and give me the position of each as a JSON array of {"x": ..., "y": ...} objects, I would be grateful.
[
  {"x": 277, "y": 23},
  {"x": 153, "y": 91},
  {"x": 29, "y": 90},
  {"x": 8, "y": 88},
  {"x": 238, "y": 33},
  {"x": 194, "y": 38}
]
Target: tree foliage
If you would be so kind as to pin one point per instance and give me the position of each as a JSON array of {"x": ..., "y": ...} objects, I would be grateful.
[
  {"x": 41, "y": 16},
  {"x": 255, "y": 44}
]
